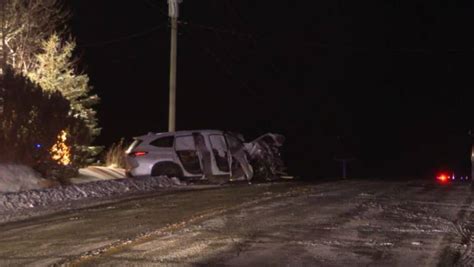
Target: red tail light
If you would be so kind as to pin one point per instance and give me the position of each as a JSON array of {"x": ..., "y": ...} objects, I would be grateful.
[
  {"x": 138, "y": 153},
  {"x": 442, "y": 178}
]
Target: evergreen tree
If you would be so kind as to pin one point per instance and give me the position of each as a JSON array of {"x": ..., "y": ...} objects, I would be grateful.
[{"x": 55, "y": 72}]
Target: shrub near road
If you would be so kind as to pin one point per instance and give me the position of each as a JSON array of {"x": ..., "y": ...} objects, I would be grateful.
[{"x": 31, "y": 120}]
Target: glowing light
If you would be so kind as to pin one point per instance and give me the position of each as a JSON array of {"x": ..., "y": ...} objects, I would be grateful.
[
  {"x": 442, "y": 178},
  {"x": 140, "y": 153},
  {"x": 61, "y": 152}
]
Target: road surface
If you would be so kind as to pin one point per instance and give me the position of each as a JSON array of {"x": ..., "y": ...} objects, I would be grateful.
[{"x": 339, "y": 223}]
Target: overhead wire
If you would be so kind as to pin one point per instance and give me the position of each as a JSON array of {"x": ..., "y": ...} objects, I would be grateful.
[
  {"x": 225, "y": 67},
  {"x": 395, "y": 50},
  {"x": 160, "y": 9},
  {"x": 230, "y": 6},
  {"x": 126, "y": 37},
  {"x": 133, "y": 35},
  {"x": 217, "y": 30}
]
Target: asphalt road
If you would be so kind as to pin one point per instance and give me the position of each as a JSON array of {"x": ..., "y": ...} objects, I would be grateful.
[{"x": 344, "y": 223}]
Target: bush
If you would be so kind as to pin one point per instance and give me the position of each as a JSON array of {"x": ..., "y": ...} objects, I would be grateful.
[
  {"x": 30, "y": 121},
  {"x": 115, "y": 156}
]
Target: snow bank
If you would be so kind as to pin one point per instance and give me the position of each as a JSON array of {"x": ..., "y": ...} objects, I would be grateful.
[
  {"x": 97, "y": 189},
  {"x": 102, "y": 173},
  {"x": 97, "y": 173},
  {"x": 15, "y": 178}
]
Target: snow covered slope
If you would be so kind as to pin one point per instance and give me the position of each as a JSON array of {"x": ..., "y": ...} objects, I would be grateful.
[
  {"x": 16, "y": 178},
  {"x": 98, "y": 173}
]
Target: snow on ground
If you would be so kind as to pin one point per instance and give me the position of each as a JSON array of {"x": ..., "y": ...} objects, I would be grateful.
[
  {"x": 15, "y": 178},
  {"x": 18, "y": 178},
  {"x": 97, "y": 173},
  {"x": 98, "y": 189}
]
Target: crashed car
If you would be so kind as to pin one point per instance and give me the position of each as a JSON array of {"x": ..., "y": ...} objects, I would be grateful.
[
  {"x": 211, "y": 155},
  {"x": 264, "y": 154}
]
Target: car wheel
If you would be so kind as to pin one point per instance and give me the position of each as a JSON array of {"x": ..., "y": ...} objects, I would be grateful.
[{"x": 167, "y": 169}]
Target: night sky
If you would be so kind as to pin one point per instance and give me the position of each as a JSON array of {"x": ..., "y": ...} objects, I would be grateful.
[{"x": 385, "y": 82}]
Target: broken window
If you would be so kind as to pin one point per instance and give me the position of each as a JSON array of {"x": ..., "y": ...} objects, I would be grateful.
[
  {"x": 234, "y": 143},
  {"x": 236, "y": 147},
  {"x": 219, "y": 149},
  {"x": 186, "y": 151}
]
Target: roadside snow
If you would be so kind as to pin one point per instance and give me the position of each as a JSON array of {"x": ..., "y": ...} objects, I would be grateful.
[
  {"x": 98, "y": 173},
  {"x": 16, "y": 178},
  {"x": 99, "y": 189}
]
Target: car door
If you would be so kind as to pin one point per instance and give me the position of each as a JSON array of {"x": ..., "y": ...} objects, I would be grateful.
[
  {"x": 204, "y": 154},
  {"x": 187, "y": 153},
  {"x": 221, "y": 153},
  {"x": 240, "y": 166}
]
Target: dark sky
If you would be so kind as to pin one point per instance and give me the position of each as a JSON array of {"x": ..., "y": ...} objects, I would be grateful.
[{"x": 388, "y": 83}]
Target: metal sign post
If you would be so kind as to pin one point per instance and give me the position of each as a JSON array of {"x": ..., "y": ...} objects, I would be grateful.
[{"x": 344, "y": 166}]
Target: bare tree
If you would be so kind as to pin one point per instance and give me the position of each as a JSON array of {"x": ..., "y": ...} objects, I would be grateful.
[
  {"x": 34, "y": 43},
  {"x": 24, "y": 26}
]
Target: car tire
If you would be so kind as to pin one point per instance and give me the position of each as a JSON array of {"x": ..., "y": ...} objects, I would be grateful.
[{"x": 167, "y": 169}]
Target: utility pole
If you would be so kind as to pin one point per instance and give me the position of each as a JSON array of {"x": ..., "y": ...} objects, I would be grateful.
[
  {"x": 4, "y": 37},
  {"x": 173, "y": 12}
]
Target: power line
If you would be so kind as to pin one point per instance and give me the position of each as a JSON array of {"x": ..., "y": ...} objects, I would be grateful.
[
  {"x": 395, "y": 50},
  {"x": 125, "y": 38},
  {"x": 231, "y": 7},
  {"x": 160, "y": 8},
  {"x": 227, "y": 69},
  {"x": 218, "y": 30}
]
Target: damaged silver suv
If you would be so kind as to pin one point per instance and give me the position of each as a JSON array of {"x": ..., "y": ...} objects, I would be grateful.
[{"x": 203, "y": 154}]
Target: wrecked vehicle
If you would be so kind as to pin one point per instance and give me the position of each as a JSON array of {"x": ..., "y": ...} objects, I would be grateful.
[
  {"x": 211, "y": 155},
  {"x": 264, "y": 154},
  {"x": 207, "y": 154}
]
